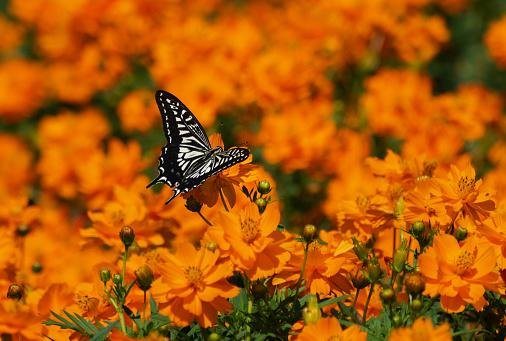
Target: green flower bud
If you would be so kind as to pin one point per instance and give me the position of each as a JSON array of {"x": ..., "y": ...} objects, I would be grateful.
[
  {"x": 15, "y": 292},
  {"x": 387, "y": 295},
  {"x": 360, "y": 281},
  {"x": 400, "y": 257},
  {"x": 258, "y": 290},
  {"x": 193, "y": 205},
  {"x": 211, "y": 246},
  {"x": 311, "y": 313},
  {"x": 23, "y": 230},
  {"x": 127, "y": 235},
  {"x": 416, "y": 305},
  {"x": 144, "y": 277},
  {"x": 460, "y": 233},
  {"x": 214, "y": 337},
  {"x": 417, "y": 229},
  {"x": 116, "y": 279},
  {"x": 309, "y": 233},
  {"x": 37, "y": 267},
  {"x": 261, "y": 204},
  {"x": 360, "y": 249},
  {"x": 374, "y": 270},
  {"x": 105, "y": 275},
  {"x": 397, "y": 320},
  {"x": 264, "y": 187}
]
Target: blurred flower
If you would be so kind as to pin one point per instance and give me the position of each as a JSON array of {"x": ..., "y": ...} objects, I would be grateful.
[
  {"x": 137, "y": 111},
  {"x": 328, "y": 328},
  {"x": 494, "y": 40},
  {"x": 421, "y": 330}
]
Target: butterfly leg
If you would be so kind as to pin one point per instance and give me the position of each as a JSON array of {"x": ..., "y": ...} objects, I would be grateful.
[{"x": 175, "y": 193}]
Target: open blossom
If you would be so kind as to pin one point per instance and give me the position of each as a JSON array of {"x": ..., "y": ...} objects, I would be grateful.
[
  {"x": 197, "y": 285},
  {"x": 460, "y": 274},
  {"x": 328, "y": 328},
  {"x": 422, "y": 330}
]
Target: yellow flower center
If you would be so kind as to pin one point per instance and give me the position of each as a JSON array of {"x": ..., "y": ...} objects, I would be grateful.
[
  {"x": 193, "y": 274},
  {"x": 465, "y": 260},
  {"x": 362, "y": 203},
  {"x": 249, "y": 229},
  {"x": 466, "y": 185}
]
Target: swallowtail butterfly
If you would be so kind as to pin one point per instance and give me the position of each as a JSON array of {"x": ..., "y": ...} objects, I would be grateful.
[{"x": 187, "y": 159}]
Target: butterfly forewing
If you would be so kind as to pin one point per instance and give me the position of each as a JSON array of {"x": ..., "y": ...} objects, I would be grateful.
[{"x": 187, "y": 159}]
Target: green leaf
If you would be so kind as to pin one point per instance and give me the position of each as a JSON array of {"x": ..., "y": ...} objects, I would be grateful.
[{"x": 104, "y": 332}]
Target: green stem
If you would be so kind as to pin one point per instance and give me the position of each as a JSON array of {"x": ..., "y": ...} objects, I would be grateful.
[
  {"x": 123, "y": 270},
  {"x": 119, "y": 310},
  {"x": 302, "y": 269},
  {"x": 367, "y": 303},
  {"x": 355, "y": 317},
  {"x": 144, "y": 306}
]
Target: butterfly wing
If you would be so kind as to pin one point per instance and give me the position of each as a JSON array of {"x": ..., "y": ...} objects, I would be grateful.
[
  {"x": 187, "y": 141},
  {"x": 214, "y": 164}
]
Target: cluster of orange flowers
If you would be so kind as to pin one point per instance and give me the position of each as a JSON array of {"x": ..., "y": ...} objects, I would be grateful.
[{"x": 75, "y": 95}]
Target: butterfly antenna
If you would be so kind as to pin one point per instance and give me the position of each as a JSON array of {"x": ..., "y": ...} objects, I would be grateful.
[
  {"x": 153, "y": 182},
  {"x": 175, "y": 193}
]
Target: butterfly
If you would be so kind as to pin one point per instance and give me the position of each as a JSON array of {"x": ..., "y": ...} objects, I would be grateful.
[{"x": 188, "y": 159}]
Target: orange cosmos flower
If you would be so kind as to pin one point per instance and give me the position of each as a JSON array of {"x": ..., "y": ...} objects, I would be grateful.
[
  {"x": 225, "y": 182},
  {"x": 422, "y": 330},
  {"x": 197, "y": 285},
  {"x": 251, "y": 239},
  {"x": 16, "y": 171},
  {"x": 459, "y": 273},
  {"x": 424, "y": 204},
  {"x": 137, "y": 111},
  {"x": 328, "y": 328},
  {"x": 463, "y": 193},
  {"x": 494, "y": 40}
]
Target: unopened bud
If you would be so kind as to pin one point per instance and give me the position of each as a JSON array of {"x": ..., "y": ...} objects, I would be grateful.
[
  {"x": 36, "y": 267},
  {"x": 144, "y": 277},
  {"x": 23, "y": 230},
  {"x": 417, "y": 229},
  {"x": 374, "y": 270},
  {"x": 193, "y": 205},
  {"x": 15, "y": 292},
  {"x": 360, "y": 249},
  {"x": 416, "y": 305},
  {"x": 414, "y": 283},
  {"x": 105, "y": 275},
  {"x": 387, "y": 295},
  {"x": 261, "y": 204},
  {"x": 460, "y": 233},
  {"x": 127, "y": 236},
  {"x": 400, "y": 257},
  {"x": 397, "y": 320},
  {"x": 258, "y": 290},
  {"x": 264, "y": 187},
  {"x": 309, "y": 233},
  {"x": 116, "y": 279},
  {"x": 214, "y": 337},
  {"x": 311, "y": 312},
  {"x": 211, "y": 246},
  {"x": 360, "y": 281}
]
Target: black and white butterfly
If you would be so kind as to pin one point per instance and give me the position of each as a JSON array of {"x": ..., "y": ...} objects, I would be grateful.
[{"x": 187, "y": 159}]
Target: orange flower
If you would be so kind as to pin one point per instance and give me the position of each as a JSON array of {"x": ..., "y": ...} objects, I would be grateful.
[
  {"x": 460, "y": 274},
  {"x": 225, "y": 182},
  {"x": 16, "y": 170},
  {"x": 494, "y": 40},
  {"x": 251, "y": 240},
  {"x": 328, "y": 328},
  {"x": 422, "y": 330},
  {"x": 137, "y": 111},
  {"x": 197, "y": 285},
  {"x": 424, "y": 204},
  {"x": 28, "y": 80},
  {"x": 461, "y": 192}
]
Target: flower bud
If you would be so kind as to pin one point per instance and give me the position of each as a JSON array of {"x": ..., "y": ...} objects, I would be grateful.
[
  {"x": 23, "y": 230},
  {"x": 374, "y": 270},
  {"x": 460, "y": 233},
  {"x": 211, "y": 246},
  {"x": 311, "y": 312},
  {"x": 261, "y": 203},
  {"x": 414, "y": 283},
  {"x": 416, "y": 305},
  {"x": 360, "y": 249},
  {"x": 116, "y": 279},
  {"x": 127, "y": 236},
  {"x": 15, "y": 292},
  {"x": 417, "y": 229},
  {"x": 400, "y": 257},
  {"x": 309, "y": 233},
  {"x": 105, "y": 275},
  {"x": 264, "y": 187},
  {"x": 36, "y": 267},
  {"x": 397, "y": 320},
  {"x": 387, "y": 295},
  {"x": 193, "y": 205},
  {"x": 144, "y": 277},
  {"x": 214, "y": 337},
  {"x": 359, "y": 280}
]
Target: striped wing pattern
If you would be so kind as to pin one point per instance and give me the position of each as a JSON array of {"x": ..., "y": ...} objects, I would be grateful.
[{"x": 187, "y": 159}]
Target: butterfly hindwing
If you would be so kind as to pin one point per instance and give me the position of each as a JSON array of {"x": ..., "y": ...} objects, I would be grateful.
[{"x": 187, "y": 159}]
